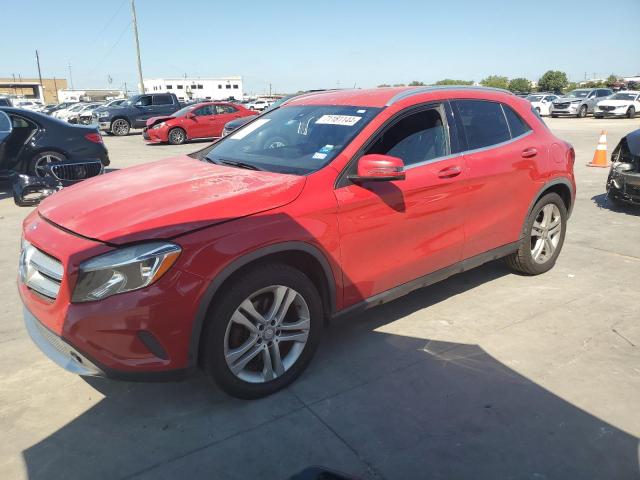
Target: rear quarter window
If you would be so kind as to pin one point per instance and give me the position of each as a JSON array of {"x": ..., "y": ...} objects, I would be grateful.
[{"x": 516, "y": 124}]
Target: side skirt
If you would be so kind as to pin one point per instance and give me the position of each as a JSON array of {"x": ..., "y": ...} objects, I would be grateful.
[{"x": 426, "y": 280}]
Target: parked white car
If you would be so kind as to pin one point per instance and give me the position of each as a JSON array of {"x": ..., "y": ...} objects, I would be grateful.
[
  {"x": 622, "y": 104},
  {"x": 70, "y": 111},
  {"x": 27, "y": 104},
  {"x": 542, "y": 102},
  {"x": 259, "y": 104}
]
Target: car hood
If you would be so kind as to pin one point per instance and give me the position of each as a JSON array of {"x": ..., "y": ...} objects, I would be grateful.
[
  {"x": 165, "y": 199},
  {"x": 615, "y": 103},
  {"x": 568, "y": 99},
  {"x": 153, "y": 120}
]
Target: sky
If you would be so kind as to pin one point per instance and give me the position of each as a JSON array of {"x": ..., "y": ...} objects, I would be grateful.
[{"x": 297, "y": 45}]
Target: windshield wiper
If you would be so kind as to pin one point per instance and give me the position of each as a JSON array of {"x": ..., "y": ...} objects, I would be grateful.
[{"x": 233, "y": 163}]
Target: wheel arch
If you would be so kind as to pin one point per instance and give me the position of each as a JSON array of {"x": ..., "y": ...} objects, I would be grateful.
[
  {"x": 301, "y": 255},
  {"x": 562, "y": 187}
]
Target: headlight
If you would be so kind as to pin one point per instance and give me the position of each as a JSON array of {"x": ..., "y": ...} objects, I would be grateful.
[
  {"x": 158, "y": 125},
  {"x": 103, "y": 114},
  {"x": 124, "y": 270},
  {"x": 622, "y": 106},
  {"x": 575, "y": 101}
]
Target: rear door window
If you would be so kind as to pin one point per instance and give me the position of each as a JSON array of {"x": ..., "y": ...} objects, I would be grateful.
[
  {"x": 483, "y": 122},
  {"x": 162, "y": 100}
]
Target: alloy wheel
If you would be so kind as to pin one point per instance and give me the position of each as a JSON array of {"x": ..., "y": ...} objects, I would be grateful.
[
  {"x": 42, "y": 162},
  {"x": 120, "y": 127},
  {"x": 266, "y": 334},
  {"x": 546, "y": 233},
  {"x": 176, "y": 136}
]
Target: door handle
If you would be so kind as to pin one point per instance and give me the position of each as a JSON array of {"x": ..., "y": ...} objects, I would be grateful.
[
  {"x": 529, "y": 152},
  {"x": 450, "y": 172}
]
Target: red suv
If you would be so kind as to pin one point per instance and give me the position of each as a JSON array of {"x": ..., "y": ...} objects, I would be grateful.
[{"x": 232, "y": 259}]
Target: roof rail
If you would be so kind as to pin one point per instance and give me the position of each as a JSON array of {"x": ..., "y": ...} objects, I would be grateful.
[{"x": 418, "y": 90}]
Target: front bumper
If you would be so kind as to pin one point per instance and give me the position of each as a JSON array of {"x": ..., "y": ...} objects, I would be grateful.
[
  {"x": 609, "y": 113},
  {"x": 59, "y": 351},
  {"x": 104, "y": 126},
  {"x": 565, "y": 111}
]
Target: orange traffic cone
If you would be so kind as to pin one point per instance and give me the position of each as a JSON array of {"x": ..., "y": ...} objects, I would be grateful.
[{"x": 600, "y": 157}]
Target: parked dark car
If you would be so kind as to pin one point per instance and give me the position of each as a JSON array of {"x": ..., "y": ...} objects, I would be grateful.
[
  {"x": 36, "y": 140},
  {"x": 134, "y": 113},
  {"x": 5, "y": 102},
  {"x": 623, "y": 184}
]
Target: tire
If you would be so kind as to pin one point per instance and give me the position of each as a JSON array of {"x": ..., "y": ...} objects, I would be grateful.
[
  {"x": 120, "y": 127},
  {"x": 582, "y": 111},
  {"x": 631, "y": 113},
  {"x": 523, "y": 260},
  {"x": 538, "y": 110},
  {"x": 222, "y": 336},
  {"x": 177, "y": 136},
  {"x": 41, "y": 159}
]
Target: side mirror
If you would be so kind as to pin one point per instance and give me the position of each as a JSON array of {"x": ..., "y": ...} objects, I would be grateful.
[
  {"x": 378, "y": 168},
  {"x": 190, "y": 115}
]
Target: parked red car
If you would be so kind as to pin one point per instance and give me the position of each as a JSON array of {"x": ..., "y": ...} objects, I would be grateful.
[
  {"x": 327, "y": 205},
  {"x": 203, "y": 120}
]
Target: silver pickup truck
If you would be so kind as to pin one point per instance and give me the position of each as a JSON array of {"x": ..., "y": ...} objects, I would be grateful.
[{"x": 580, "y": 102}]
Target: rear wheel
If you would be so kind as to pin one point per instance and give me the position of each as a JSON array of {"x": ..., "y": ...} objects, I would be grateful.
[
  {"x": 631, "y": 113},
  {"x": 40, "y": 161},
  {"x": 120, "y": 127},
  {"x": 177, "y": 136},
  {"x": 542, "y": 237},
  {"x": 263, "y": 331}
]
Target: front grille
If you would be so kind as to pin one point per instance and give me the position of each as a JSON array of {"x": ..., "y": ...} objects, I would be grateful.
[
  {"x": 607, "y": 108},
  {"x": 40, "y": 272},
  {"x": 561, "y": 105},
  {"x": 76, "y": 171}
]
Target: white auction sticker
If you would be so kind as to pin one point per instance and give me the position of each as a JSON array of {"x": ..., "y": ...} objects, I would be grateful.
[
  {"x": 344, "y": 120},
  {"x": 256, "y": 124}
]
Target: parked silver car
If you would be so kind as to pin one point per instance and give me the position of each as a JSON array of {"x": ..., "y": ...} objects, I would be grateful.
[{"x": 580, "y": 102}]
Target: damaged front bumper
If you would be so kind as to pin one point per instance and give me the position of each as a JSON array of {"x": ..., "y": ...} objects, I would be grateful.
[
  {"x": 30, "y": 190},
  {"x": 623, "y": 184}
]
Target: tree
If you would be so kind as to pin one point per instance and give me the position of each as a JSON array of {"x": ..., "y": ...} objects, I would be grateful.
[
  {"x": 553, "y": 81},
  {"x": 495, "y": 81},
  {"x": 449, "y": 81},
  {"x": 520, "y": 85},
  {"x": 399, "y": 85},
  {"x": 382, "y": 85},
  {"x": 570, "y": 86},
  {"x": 612, "y": 81},
  {"x": 416, "y": 83}
]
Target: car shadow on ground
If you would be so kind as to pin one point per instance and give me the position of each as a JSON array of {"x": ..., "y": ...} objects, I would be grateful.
[
  {"x": 373, "y": 404},
  {"x": 602, "y": 201}
]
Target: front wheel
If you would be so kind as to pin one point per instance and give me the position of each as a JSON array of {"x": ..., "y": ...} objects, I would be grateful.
[
  {"x": 542, "y": 237},
  {"x": 263, "y": 331},
  {"x": 582, "y": 111},
  {"x": 120, "y": 127},
  {"x": 631, "y": 113},
  {"x": 177, "y": 136}
]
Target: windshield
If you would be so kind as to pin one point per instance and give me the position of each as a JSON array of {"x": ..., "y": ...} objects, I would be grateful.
[
  {"x": 183, "y": 111},
  {"x": 624, "y": 96},
  {"x": 534, "y": 98},
  {"x": 577, "y": 94},
  {"x": 296, "y": 139}
]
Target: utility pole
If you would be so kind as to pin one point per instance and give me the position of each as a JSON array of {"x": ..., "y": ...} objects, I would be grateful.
[
  {"x": 135, "y": 34},
  {"x": 70, "y": 76},
  {"x": 40, "y": 74}
]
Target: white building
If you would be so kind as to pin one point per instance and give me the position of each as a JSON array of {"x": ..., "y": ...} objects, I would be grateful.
[
  {"x": 91, "y": 95},
  {"x": 197, "y": 88}
]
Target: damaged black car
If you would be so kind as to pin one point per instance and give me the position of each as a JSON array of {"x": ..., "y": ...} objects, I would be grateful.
[
  {"x": 623, "y": 183},
  {"x": 41, "y": 154}
]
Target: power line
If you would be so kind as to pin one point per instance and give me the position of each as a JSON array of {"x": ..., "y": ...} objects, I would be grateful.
[
  {"x": 126, "y": 27},
  {"x": 110, "y": 20}
]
